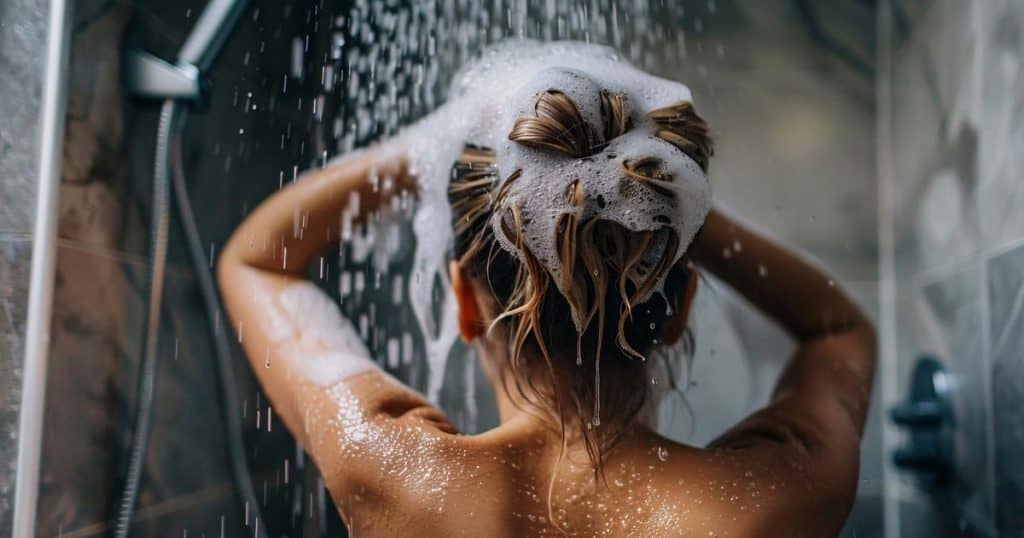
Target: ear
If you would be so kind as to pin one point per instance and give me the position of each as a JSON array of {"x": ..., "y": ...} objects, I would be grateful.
[
  {"x": 465, "y": 298},
  {"x": 674, "y": 326}
]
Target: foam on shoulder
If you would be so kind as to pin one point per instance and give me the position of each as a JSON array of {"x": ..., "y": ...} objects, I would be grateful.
[{"x": 324, "y": 348}]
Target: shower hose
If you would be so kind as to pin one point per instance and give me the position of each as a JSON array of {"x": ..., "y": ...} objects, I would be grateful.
[{"x": 168, "y": 162}]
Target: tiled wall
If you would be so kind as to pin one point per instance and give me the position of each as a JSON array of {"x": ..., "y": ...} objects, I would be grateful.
[
  {"x": 955, "y": 185},
  {"x": 22, "y": 36}
]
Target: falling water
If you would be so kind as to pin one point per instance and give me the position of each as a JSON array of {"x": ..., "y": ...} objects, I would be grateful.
[{"x": 388, "y": 64}]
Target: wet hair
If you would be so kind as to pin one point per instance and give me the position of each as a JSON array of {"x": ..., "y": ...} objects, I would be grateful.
[{"x": 591, "y": 334}]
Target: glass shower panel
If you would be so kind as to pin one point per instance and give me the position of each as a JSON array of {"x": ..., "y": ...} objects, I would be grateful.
[{"x": 953, "y": 183}]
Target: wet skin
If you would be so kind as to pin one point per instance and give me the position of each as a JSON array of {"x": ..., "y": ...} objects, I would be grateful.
[{"x": 395, "y": 466}]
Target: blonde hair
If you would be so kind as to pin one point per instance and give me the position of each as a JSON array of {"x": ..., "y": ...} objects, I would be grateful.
[{"x": 604, "y": 276}]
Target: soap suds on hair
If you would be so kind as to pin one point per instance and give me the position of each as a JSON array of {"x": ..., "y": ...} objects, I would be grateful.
[
  {"x": 545, "y": 176},
  {"x": 486, "y": 97}
]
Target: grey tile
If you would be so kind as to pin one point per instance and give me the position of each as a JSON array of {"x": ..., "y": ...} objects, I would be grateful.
[
  {"x": 188, "y": 425},
  {"x": 1006, "y": 297},
  {"x": 1002, "y": 83},
  {"x": 934, "y": 153},
  {"x": 22, "y": 37},
  {"x": 1005, "y": 277},
  {"x": 91, "y": 401},
  {"x": 92, "y": 302},
  {"x": 97, "y": 338},
  {"x": 15, "y": 260}
]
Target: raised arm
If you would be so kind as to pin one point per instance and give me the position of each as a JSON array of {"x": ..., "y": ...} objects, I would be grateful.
[
  {"x": 291, "y": 331},
  {"x": 310, "y": 360},
  {"x": 812, "y": 425}
]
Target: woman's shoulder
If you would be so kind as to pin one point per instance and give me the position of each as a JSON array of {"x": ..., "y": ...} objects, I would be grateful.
[{"x": 732, "y": 492}]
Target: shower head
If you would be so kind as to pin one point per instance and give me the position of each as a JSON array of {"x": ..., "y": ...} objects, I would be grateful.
[
  {"x": 151, "y": 77},
  {"x": 210, "y": 32}
]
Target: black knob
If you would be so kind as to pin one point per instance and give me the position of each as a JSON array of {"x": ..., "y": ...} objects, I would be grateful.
[
  {"x": 920, "y": 414},
  {"x": 918, "y": 457},
  {"x": 927, "y": 416}
]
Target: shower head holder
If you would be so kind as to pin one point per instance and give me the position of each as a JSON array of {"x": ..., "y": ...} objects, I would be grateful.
[{"x": 150, "y": 77}]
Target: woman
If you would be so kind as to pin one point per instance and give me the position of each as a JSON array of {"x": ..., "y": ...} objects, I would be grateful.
[{"x": 575, "y": 252}]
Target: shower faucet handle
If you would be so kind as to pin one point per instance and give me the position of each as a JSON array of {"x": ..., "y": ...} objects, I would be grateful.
[
  {"x": 927, "y": 416},
  {"x": 921, "y": 413}
]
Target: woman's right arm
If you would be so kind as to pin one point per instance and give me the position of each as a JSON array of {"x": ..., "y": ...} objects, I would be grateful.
[
  {"x": 836, "y": 341},
  {"x": 818, "y": 408}
]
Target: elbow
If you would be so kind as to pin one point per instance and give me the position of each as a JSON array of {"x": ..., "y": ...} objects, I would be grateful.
[
  {"x": 225, "y": 273},
  {"x": 869, "y": 344},
  {"x": 223, "y": 270},
  {"x": 228, "y": 262},
  {"x": 855, "y": 326},
  {"x": 866, "y": 336}
]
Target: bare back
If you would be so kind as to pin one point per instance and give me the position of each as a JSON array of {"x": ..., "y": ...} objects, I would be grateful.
[
  {"x": 409, "y": 473},
  {"x": 396, "y": 467}
]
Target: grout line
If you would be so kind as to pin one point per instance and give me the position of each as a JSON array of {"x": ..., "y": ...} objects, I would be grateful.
[
  {"x": 15, "y": 236},
  {"x": 945, "y": 269},
  {"x": 888, "y": 365},
  {"x": 179, "y": 269},
  {"x": 154, "y": 511},
  {"x": 1015, "y": 310},
  {"x": 978, "y": 26},
  {"x": 163, "y": 508},
  {"x": 101, "y": 252},
  {"x": 1004, "y": 247},
  {"x": 988, "y": 481}
]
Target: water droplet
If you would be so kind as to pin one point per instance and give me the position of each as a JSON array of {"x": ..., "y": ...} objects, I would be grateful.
[{"x": 662, "y": 453}]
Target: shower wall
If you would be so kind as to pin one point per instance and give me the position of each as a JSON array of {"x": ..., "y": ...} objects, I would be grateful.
[
  {"x": 22, "y": 37},
  {"x": 953, "y": 187}
]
